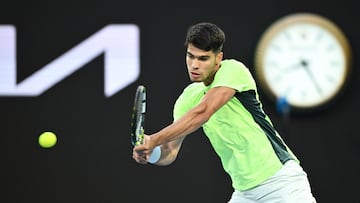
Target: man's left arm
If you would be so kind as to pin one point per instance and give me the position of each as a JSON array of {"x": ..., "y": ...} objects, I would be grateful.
[{"x": 214, "y": 99}]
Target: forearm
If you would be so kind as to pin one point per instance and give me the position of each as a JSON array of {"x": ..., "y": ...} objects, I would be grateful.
[
  {"x": 167, "y": 155},
  {"x": 196, "y": 117},
  {"x": 187, "y": 124},
  {"x": 171, "y": 137}
]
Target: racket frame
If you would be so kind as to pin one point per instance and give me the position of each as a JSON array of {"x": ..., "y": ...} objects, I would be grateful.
[{"x": 138, "y": 116}]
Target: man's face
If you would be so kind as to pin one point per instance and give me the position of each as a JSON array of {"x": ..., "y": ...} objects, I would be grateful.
[{"x": 202, "y": 65}]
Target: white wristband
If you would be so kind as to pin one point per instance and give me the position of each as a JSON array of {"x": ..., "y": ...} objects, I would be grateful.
[{"x": 155, "y": 155}]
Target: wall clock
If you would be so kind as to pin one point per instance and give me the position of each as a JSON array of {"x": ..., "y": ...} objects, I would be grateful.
[{"x": 303, "y": 58}]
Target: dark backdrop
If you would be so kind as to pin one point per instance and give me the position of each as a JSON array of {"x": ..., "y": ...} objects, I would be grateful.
[{"x": 92, "y": 159}]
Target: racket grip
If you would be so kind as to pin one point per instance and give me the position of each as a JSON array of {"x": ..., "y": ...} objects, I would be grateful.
[{"x": 155, "y": 155}]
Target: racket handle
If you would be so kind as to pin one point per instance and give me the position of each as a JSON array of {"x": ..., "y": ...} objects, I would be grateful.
[{"x": 155, "y": 155}]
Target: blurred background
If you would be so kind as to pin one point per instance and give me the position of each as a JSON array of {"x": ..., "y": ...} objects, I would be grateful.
[{"x": 92, "y": 162}]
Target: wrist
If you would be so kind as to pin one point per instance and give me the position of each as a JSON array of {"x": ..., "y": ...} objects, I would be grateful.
[{"x": 155, "y": 155}]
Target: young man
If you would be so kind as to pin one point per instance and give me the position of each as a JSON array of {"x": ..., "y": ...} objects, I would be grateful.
[{"x": 223, "y": 100}]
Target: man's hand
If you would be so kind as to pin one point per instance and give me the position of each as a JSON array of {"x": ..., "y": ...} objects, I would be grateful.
[{"x": 141, "y": 153}]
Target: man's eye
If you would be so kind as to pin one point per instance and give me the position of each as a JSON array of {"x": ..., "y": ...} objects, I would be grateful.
[
  {"x": 203, "y": 58},
  {"x": 191, "y": 56}
]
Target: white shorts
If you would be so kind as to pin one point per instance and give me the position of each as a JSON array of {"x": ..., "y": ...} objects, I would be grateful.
[{"x": 289, "y": 185}]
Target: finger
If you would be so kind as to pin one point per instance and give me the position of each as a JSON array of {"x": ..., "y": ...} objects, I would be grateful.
[{"x": 139, "y": 158}]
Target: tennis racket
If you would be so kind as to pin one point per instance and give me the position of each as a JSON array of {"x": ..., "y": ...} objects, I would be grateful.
[
  {"x": 138, "y": 116},
  {"x": 138, "y": 123}
]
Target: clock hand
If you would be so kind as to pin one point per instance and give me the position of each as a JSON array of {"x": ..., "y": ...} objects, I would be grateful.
[
  {"x": 305, "y": 65},
  {"x": 293, "y": 67},
  {"x": 287, "y": 69}
]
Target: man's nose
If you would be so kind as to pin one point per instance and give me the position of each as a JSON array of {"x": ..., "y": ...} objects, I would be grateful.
[{"x": 195, "y": 64}]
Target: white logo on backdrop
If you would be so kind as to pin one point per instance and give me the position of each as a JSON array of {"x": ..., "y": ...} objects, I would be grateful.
[{"x": 119, "y": 43}]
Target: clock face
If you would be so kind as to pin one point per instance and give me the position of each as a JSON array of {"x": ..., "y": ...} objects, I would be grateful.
[{"x": 303, "y": 58}]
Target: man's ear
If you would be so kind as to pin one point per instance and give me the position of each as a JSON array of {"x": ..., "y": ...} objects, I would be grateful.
[{"x": 219, "y": 57}]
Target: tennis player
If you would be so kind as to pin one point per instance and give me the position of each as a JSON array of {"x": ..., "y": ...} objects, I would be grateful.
[{"x": 223, "y": 100}]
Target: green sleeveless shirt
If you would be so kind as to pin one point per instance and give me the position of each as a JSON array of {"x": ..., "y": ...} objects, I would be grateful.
[{"x": 242, "y": 135}]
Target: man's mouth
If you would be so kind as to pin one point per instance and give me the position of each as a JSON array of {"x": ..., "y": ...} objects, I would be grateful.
[{"x": 194, "y": 74}]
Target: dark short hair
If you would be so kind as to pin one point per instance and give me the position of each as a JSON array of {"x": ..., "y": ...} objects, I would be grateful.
[{"x": 205, "y": 36}]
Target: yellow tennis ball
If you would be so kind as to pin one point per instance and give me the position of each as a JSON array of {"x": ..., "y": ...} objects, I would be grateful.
[{"x": 47, "y": 139}]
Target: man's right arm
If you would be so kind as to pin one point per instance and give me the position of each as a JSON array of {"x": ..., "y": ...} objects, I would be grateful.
[{"x": 169, "y": 152}]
